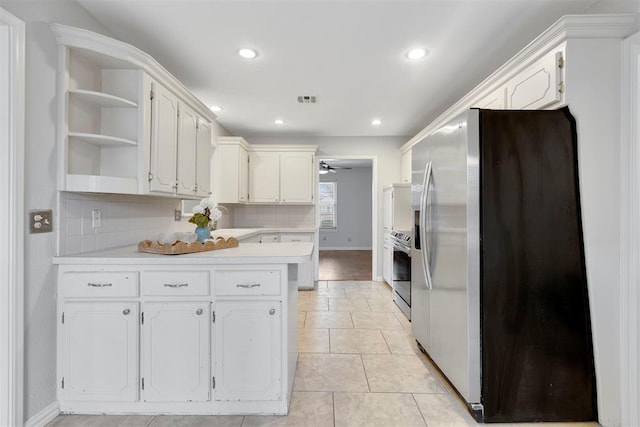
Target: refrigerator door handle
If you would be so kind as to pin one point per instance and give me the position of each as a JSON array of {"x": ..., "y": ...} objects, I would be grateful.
[{"x": 425, "y": 197}]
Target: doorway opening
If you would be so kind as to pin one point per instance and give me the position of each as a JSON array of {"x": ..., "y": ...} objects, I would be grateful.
[{"x": 346, "y": 218}]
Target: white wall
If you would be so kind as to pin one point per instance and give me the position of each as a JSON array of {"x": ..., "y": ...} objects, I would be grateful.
[
  {"x": 146, "y": 215},
  {"x": 354, "y": 208},
  {"x": 384, "y": 150},
  {"x": 40, "y": 190}
]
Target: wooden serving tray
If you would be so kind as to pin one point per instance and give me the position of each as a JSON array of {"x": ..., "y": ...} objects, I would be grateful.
[{"x": 179, "y": 247}]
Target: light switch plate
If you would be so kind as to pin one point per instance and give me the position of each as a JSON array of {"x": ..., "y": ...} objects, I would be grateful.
[{"x": 41, "y": 221}]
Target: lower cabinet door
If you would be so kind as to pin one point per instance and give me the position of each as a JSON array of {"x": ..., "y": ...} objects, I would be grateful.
[
  {"x": 175, "y": 362},
  {"x": 99, "y": 351},
  {"x": 248, "y": 350}
]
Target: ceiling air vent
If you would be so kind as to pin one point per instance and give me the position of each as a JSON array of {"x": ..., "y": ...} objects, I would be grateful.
[{"x": 306, "y": 99}]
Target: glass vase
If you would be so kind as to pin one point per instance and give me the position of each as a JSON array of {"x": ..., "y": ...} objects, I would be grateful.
[{"x": 203, "y": 233}]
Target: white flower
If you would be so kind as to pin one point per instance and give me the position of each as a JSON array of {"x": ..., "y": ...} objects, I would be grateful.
[
  {"x": 207, "y": 203},
  {"x": 198, "y": 209},
  {"x": 215, "y": 214}
]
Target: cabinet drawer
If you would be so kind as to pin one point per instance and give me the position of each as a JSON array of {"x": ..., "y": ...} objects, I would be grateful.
[
  {"x": 91, "y": 284},
  {"x": 253, "y": 282},
  {"x": 185, "y": 283},
  {"x": 292, "y": 237}
]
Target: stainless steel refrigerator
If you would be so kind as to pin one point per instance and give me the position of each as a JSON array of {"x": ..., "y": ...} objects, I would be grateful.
[{"x": 498, "y": 278}]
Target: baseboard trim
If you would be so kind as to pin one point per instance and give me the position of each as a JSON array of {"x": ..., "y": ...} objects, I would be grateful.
[
  {"x": 45, "y": 416},
  {"x": 344, "y": 249}
]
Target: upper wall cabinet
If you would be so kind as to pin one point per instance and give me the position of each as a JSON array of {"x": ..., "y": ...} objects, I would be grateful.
[
  {"x": 125, "y": 125},
  {"x": 231, "y": 170},
  {"x": 282, "y": 175},
  {"x": 264, "y": 174}
]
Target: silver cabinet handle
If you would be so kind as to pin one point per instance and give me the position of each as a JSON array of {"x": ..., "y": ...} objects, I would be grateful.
[
  {"x": 100, "y": 285},
  {"x": 175, "y": 285},
  {"x": 199, "y": 311},
  {"x": 253, "y": 285},
  {"x": 126, "y": 311},
  {"x": 272, "y": 311}
]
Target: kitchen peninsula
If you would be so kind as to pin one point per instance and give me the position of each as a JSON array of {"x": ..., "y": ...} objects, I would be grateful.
[{"x": 205, "y": 333}]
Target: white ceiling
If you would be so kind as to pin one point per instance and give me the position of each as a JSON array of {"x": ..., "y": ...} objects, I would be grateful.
[{"x": 347, "y": 53}]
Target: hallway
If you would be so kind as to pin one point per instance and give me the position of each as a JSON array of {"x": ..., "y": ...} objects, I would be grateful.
[{"x": 344, "y": 265}]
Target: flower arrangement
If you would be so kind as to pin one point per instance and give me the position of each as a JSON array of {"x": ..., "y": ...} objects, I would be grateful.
[{"x": 204, "y": 213}]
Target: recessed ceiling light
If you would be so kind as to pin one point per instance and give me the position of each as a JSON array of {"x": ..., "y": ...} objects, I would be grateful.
[
  {"x": 376, "y": 122},
  {"x": 278, "y": 121},
  {"x": 215, "y": 108},
  {"x": 248, "y": 53},
  {"x": 417, "y": 53}
]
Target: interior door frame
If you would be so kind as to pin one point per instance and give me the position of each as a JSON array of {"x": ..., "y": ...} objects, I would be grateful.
[
  {"x": 374, "y": 211},
  {"x": 630, "y": 234},
  {"x": 12, "y": 136}
]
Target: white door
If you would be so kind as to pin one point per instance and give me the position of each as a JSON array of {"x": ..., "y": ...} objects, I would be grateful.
[
  {"x": 248, "y": 350},
  {"x": 175, "y": 362},
  {"x": 187, "y": 147},
  {"x": 203, "y": 158},
  {"x": 296, "y": 177},
  {"x": 100, "y": 351},
  {"x": 164, "y": 140},
  {"x": 264, "y": 177}
]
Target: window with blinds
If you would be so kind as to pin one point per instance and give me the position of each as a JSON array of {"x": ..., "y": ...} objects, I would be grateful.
[{"x": 327, "y": 202}]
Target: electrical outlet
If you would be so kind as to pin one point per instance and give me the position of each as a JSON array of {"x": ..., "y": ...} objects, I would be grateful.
[
  {"x": 96, "y": 218},
  {"x": 349, "y": 239},
  {"x": 177, "y": 215},
  {"x": 41, "y": 221}
]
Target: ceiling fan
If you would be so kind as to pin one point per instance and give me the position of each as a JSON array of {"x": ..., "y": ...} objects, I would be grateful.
[{"x": 326, "y": 168}]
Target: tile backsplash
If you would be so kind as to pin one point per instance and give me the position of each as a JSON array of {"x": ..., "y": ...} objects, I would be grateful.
[
  {"x": 128, "y": 219},
  {"x": 282, "y": 216},
  {"x": 125, "y": 220}
]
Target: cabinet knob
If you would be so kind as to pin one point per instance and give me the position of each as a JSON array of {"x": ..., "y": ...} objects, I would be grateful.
[
  {"x": 199, "y": 311},
  {"x": 272, "y": 311},
  {"x": 126, "y": 311}
]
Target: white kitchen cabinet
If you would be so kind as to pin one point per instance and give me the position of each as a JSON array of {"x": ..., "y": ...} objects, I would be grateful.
[
  {"x": 540, "y": 85},
  {"x": 180, "y": 151},
  {"x": 231, "y": 170},
  {"x": 264, "y": 177},
  {"x": 175, "y": 363},
  {"x": 306, "y": 271},
  {"x": 118, "y": 128},
  {"x": 99, "y": 348},
  {"x": 297, "y": 177},
  {"x": 270, "y": 238},
  {"x": 496, "y": 100},
  {"x": 164, "y": 140},
  {"x": 387, "y": 260},
  {"x": 282, "y": 177},
  {"x": 204, "y": 153},
  {"x": 188, "y": 122},
  {"x": 173, "y": 337},
  {"x": 397, "y": 207},
  {"x": 248, "y": 350}
]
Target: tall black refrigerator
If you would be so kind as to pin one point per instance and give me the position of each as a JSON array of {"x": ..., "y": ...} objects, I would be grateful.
[{"x": 498, "y": 281}]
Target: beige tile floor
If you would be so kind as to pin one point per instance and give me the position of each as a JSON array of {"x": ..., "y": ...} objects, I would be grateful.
[{"x": 358, "y": 366}]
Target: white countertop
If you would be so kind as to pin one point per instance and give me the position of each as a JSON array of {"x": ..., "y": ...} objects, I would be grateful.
[
  {"x": 242, "y": 233},
  {"x": 245, "y": 253}
]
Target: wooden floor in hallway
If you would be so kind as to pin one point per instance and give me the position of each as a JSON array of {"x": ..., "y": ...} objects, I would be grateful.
[{"x": 344, "y": 265}]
